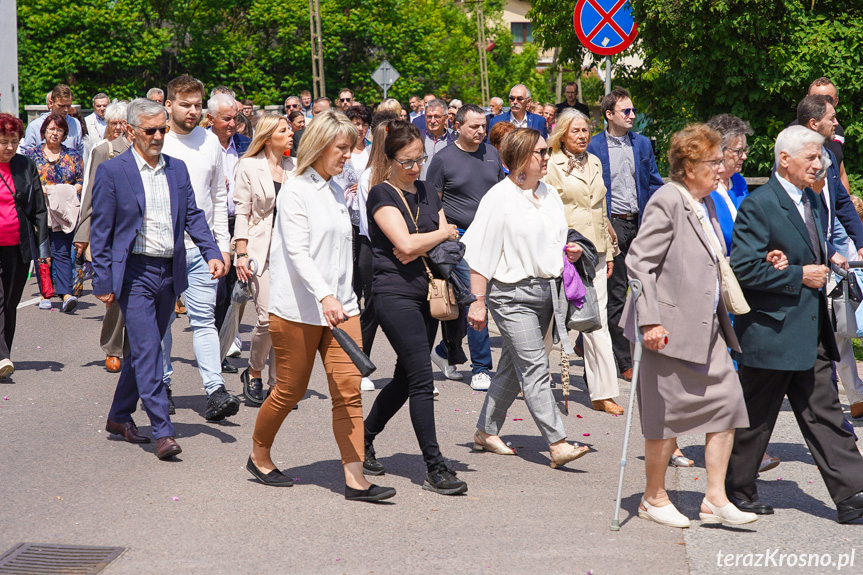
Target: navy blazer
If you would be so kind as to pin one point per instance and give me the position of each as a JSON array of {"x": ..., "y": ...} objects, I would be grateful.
[
  {"x": 533, "y": 121},
  {"x": 840, "y": 206},
  {"x": 118, "y": 214},
  {"x": 647, "y": 178},
  {"x": 241, "y": 143}
]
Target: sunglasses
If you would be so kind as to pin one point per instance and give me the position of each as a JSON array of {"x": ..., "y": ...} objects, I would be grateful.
[
  {"x": 292, "y": 106},
  {"x": 345, "y": 99},
  {"x": 543, "y": 153},
  {"x": 408, "y": 164},
  {"x": 517, "y": 98},
  {"x": 629, "y": 111},
  {"x": 152, "y": 131}
]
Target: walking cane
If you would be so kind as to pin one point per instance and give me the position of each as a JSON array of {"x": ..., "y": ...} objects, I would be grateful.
[{"x": 635, "y": 290}]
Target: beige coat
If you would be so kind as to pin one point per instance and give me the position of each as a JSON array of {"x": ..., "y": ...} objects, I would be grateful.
[
  {"x": 255, "y": 197},
  {"x": 673, "y": 261},
  {"x": 583, "y": 196}
]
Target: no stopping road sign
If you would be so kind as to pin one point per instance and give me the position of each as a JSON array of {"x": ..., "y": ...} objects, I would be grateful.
[{"x": 605, "y": 27}]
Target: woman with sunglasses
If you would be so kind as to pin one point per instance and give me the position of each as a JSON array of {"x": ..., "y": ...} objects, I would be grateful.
[
  {"x": 515, "y": 248},
  {"x": 405, "y": 221}
]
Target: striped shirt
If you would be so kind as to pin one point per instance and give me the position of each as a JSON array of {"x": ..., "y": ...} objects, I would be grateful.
[{"x": 156, "y": 236}]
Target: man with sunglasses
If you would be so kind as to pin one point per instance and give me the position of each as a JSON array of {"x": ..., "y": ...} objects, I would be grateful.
[
  {"x": 143, "y": 204},
  {"x": 518, "y": 115},
  {"x": 631, "y": 176},
  {"x": 346, "y": 99},
  {"x": 292, "y": 104}
]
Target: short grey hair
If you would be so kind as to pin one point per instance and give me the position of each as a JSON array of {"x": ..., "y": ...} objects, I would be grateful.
[
  {"x": 100, "y": 96},
  {"x": 116, "y": 111},
  {"x": 730, "y": 127},
  {"x": 436, "y": 103},
  {"x": 155, "y": 92},
  {"x": 496, "y": 100},
  {"x": 455, "y": 103},
  {"x": 520, "y": 86},
  {"x": 144, "y": 107},
  {"x": 216, "y": 101},
  {"x": 293, "y": 98},
  {"x": 793, "y": 139}
]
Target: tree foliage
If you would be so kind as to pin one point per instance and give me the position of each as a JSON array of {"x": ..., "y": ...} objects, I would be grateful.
[
  {"x": 751, "y": 58},
  {"x": 261, "y": 48}
]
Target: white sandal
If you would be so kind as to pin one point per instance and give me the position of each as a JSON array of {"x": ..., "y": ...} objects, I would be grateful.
[
  {"x": 728, "y": 514},
  {"x": 666, "y": 515}
]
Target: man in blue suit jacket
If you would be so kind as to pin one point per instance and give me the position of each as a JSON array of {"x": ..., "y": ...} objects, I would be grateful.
[
  {"x": 631, "y": 176},
  {"x": 142, "y": 203},
  {"x": 518, "y": 116}
]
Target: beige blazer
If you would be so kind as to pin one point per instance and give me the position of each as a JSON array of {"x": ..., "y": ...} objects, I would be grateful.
[
  {"x": 583, "y": 196},
  {"x": 672, "y": 259},
  {"x": 255, "y": 197}
]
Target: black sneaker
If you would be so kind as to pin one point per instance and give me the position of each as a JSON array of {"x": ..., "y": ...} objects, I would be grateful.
[
  {"x": 372, "y": 466},
  {"x": 221, "y": 404},
  {"x": 172, "y": 409},
  {"x": 442, "y": 480}
]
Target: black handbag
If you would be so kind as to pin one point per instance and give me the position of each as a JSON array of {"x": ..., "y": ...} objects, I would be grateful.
[{"x": 357, "y": 355}]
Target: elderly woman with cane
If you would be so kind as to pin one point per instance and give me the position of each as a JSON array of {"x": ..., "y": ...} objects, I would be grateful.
[
  {"x": 687, "y": 383},
  {"x": 515, "y": 248}
]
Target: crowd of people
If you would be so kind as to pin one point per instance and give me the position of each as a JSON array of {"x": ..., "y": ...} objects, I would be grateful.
[{"x": 335, "y": 215}]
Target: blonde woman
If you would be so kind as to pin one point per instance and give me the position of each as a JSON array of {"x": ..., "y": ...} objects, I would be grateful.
[
  {"x": 311, "y": 260},
  {"x": 260, "y": 175},
  {"x": 576, "y": 175}
]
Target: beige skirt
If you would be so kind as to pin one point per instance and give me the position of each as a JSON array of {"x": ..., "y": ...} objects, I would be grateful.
[{"x": 677, "y": 397}]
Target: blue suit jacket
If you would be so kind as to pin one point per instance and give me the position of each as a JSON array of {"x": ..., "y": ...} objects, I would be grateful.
[
  {"x": 118, "y": 213},
  {"x": 241, "y": 142},
  {"x": 647, "y": 178},
  {"x": 840, "y": 206},
  {"x": 533, "y": 121}
]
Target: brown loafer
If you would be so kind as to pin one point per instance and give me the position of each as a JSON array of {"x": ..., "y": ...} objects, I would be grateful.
[
  {"x": 128, "y": 431},
  {"x": 857, "y": 410},
  {"x": 112, "y": 364},
  {"x": 608, "y": 406},
  {"x": 166, "y": 448},
  {"x": 179, "y": 308},
  {"x": 626, "y": 375}
]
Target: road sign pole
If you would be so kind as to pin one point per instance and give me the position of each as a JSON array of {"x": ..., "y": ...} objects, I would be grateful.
[
  {"x": 385, "y": 92},
  {"x": 607, "y": 75}
]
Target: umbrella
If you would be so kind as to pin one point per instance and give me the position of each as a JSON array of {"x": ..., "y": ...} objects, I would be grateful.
[
  {"x": 78, "y": 286},
  {"x": 239, "y": 296}
]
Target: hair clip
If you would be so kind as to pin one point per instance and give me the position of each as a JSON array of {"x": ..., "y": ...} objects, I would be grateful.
[{"x": 387, "y": 128}]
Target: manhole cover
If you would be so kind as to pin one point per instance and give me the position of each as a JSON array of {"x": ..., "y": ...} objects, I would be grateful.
[{"x": 45, "y": 559}]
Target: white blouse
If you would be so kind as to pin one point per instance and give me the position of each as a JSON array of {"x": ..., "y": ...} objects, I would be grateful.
[
  {"x": 515, "y": 236},
  {"x": 311, "y": 256}
]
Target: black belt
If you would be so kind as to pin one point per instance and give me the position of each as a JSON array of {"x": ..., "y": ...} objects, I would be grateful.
[{"x": 628, "y": 217}]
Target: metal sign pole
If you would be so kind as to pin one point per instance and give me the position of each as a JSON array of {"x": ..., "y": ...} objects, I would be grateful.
[{"x": 607, "y": 75}]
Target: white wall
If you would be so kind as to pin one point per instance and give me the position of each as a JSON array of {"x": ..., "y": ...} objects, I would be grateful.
[{"x": 9, "y": 60}]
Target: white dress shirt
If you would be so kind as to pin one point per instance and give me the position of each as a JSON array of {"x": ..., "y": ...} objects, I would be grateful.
[
  {"x": 311, "y": 255},
  {"x": 796, "y": 195},
  {"x": 230, "y": 157},
  {"x": 515, "y": 236},
  {"x": 156, "y": 236}
]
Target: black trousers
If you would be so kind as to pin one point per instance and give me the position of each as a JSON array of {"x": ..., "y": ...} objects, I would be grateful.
[
  {"x": 13, "y": 278},
  {"x": 618, "y": 284},
  {"x": 363, "y": 272},
  {"x": 226, "y": 286},
  {"x": 411, "y": 331},
  {"x": 816, "y": 406}
]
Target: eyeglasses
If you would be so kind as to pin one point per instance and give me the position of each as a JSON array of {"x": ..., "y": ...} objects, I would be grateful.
[
  {"x": 292, "y": 106},
  {"x": 517, "y": 98},
  {"x": 713, "y": 163},
  {"x": 152, "y": 131},
  {"x": 543, "y": 153},
  {"x": 739, "y": 151},
  {"x": 408, "y": 164},
  {"x": 345, "y": 99},
  {"x": 629, "y": 111}
]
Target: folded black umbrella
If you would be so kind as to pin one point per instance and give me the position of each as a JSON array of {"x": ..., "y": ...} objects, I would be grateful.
[
  {"x": 357, "y": 355},
  {"x": 444, "y": 257}
]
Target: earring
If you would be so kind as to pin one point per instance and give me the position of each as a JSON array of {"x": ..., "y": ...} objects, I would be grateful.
[{"x": 521, "y": 179}]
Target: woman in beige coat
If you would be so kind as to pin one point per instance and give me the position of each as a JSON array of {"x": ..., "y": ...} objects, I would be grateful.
[
  {"x": 576, "y": 174},
  {"x": 260, "y": 175},
  {"x": 687, "y": 383}
]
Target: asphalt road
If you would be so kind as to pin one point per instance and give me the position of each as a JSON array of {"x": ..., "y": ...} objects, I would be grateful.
[{"x": 62, "y": 481}]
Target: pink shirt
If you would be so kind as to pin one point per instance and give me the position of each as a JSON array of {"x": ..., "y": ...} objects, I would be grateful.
[{"x": 9, "y": 231}]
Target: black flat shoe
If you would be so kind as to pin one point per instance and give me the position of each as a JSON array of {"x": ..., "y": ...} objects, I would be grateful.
[
  {"x": 373, "y": 493},
  {"x": 228, "y": 368},
  {"x": 275, "y": 477},
  {"x": 850, "y": 508},
  {"x": 253, "y": 388},
  {"x": 371, "y": 466},
  {"x": 751, "y": 506}
]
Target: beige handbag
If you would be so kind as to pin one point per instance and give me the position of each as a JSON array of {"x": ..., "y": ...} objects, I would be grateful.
[
  {"x": 732, "y": 294},
  {"x": 443, "y": 305}
]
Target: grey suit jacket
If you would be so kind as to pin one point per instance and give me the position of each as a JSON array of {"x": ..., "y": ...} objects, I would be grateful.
[
  {"x": 99, "y": 154},
  {"x": 672, "y": 259}
]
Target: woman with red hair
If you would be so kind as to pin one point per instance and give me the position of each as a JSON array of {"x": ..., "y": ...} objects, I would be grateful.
[{"x": 22, "y": 219}]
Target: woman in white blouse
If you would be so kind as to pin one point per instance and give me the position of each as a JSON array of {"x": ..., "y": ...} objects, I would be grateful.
[
  {"x": 515, "y": 249},
  {"x": 260, "y": 175},
  {"x": 311, "y": 262}
]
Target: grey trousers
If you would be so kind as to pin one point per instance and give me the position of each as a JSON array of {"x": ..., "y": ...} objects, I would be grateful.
[
  {"x": 113, "y": 338},
  {"x": 523, "y": 313}
]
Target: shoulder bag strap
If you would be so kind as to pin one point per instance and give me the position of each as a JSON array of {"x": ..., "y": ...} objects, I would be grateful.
[{"x": 415, "y": 220}]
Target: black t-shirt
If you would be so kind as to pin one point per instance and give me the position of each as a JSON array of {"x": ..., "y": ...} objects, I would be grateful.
[
  {"x": 390, "y": 275},
  {"x": 463, "y": 178},
  {"x": 578, "y": 106},
  {"x": 277, "y": 186}
]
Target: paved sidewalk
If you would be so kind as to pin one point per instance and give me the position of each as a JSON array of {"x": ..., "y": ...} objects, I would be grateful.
[{"x": 63, "y": 482}]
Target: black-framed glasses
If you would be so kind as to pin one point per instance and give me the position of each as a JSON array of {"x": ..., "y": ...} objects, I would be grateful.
[
  {"x": 629, "y": 111},
  {"x": 517, "y": 98},
  {"x": 152, "y": 131},
  {"x": 739, "y": 151},
  {"x": 543, "y": 153},
  {"x": 408, "y": 164}
]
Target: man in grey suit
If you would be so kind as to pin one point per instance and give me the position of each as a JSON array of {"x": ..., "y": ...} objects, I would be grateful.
[{"x": 787, "y": 339}]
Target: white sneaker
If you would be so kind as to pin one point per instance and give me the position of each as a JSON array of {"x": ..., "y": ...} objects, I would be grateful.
[
  {"x": 234, "y": 350},
  {"x": 367, "y": 385},
  {"x": 6, "y": 368},
  {"x": 449, "y": 371},
  {"x": 435, "y": 393},
  {"x": 480, "y": 381},
  {"x": 45, "y": 304}
]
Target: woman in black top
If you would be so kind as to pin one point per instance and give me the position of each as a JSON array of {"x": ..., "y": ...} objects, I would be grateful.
[{"x": 405, "y": 221}]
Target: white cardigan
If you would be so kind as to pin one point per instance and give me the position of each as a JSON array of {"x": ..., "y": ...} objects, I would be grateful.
[{"x": 311, "y": 256}]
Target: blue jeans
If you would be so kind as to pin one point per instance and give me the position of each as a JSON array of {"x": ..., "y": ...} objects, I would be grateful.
[
  {"x": 477, "y": 341},
  {"x": 200, "y": 300},
  {"x": 62, "y": 262}
]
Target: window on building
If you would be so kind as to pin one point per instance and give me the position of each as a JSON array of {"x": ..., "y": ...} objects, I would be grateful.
[{"x": 522, "y": 32}]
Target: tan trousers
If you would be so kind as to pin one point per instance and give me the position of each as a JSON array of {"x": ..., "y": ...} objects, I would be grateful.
[
  {"x": 295, "y": 345},
  {"x": 113, "y": 337},
  {"x": 262, "y": 346}
]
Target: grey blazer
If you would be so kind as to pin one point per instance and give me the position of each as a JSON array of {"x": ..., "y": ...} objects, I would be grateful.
[{"x": 672, "y": 259}]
